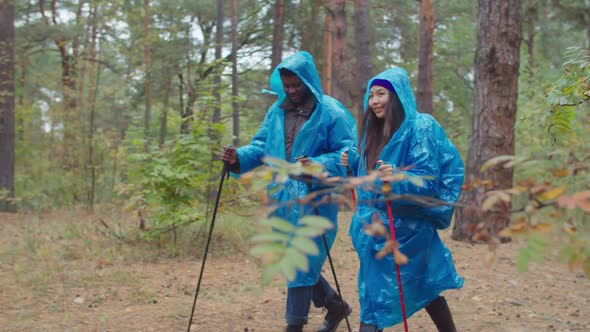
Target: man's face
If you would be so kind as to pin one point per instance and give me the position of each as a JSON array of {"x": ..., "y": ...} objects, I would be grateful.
[{"x": 295, "y": 89}]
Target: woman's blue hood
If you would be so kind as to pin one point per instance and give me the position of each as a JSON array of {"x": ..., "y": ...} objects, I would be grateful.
[{"x": 400, "y": 81}]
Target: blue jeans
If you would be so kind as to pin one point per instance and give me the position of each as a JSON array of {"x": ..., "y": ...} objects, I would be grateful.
[{"x": 299, "y": 300}]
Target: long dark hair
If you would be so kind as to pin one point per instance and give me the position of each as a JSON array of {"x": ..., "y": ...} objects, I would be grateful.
[{"x": 379, "y": 131}]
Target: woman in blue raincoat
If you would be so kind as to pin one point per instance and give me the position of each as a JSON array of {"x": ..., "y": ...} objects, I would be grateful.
[
  {"x": 303, "y": 122},
  {"x": 395, "y": 137}
]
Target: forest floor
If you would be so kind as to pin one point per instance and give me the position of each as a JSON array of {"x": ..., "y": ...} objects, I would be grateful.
[{"x": 55, "y": 276}]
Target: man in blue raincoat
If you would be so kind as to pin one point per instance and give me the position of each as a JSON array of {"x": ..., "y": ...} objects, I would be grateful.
[
  {"x": 415, "y": 142},
  {"x": 303, "y": 122}
]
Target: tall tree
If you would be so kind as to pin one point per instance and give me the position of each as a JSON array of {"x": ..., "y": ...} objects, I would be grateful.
[
  {"x": 310, "y": 27},
  {"x": 277, "y": 34},
  {"x": 148, "y": 69},
  {"x": 497, "y": 61},
  {"x": 425, "y": 89},
  {"x": 69, "y": 48},
  {"x": 340, "y": 67},
  {"x": 216, "y": 118},
  {"x": 327, "y": 47},
  {"x": 93, "y": 76},
  {"x": 362, "y": 37},
  {"x": 7, "y": 103},
  {"x": 531, "y": 18},
  {"x": 234, "y": 73}
]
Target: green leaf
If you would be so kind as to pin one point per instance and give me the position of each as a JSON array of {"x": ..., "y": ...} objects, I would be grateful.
[
  {"x": 316, "y": 221},
  {"x": 309, "y": 231},
  {"x": 279, "y": 224},
  {"x": 417, "y": 181},
  {"x": 288, "y": 268},
  {"x": 298, "y": 259},
  {"x": 305, "y": 245},
  {"x": 269, "y": 272},
  {"x": 265, "y": 248},
  {"x": 271, "y": 237}
]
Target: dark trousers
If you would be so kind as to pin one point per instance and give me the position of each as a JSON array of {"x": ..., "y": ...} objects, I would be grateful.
[
  {"x": 439, "y": 312},
  {"x": 299, "y": 300}
]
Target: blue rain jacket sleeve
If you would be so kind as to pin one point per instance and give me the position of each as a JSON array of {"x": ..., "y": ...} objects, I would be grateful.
[
  {"x": 421, "y": 145},
  {"x": 250, "y": 156},
  {"x": 341, "y": 135},
  {"x": 329, "y": 129}
]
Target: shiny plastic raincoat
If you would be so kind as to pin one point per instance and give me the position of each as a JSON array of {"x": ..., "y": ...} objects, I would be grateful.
[
  {"x": 329, "y": 129},
  {"x": 421, "y": 142}
]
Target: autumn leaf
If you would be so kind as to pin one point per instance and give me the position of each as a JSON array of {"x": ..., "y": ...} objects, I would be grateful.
[
  {"x": 560, "y": 173},
  {"x": 565, "y": 201},
  {"x": 386, "y": 250},
  {"x": 582, "y": 199},
  {"x": 495, "y": 161},
  {"x": 375, "y": 229},
  {"x": 542, "y": 227},
  {"x": 569, "y": 227},
  {"x": 399, "y": 258},
  {"x": 551, "y": 194},
  {"x": 489, "y": 202}
]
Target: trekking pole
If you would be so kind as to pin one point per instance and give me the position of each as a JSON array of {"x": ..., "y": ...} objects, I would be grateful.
[
  {"x": 349, "y": 174},
  {"x": 224, "y": 172},
  {"x": 325, "y": 241},
  {"x": 397, "y": 271}
]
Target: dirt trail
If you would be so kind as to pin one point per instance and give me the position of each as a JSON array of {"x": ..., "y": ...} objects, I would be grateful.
[{"x": 157, "y": 295}]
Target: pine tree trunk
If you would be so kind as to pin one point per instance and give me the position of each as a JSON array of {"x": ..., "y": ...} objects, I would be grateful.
[
  {"x": 340, "y": 67},
  {"x": 364, "y": 68},
  {"x": 71, "y": 117},
  {"x": 531, "y": 17},
  {"x": 327, "y": 55},
  {"x": 216, "y": 118},
  {"x": 93, "y": 78},
  {"x": 310, "y": 28},
  {"x": 6, "y": 105},
  {"x": 164, "y": 115},
  {"x": 234, "y": 74},
  {"x": 497, "y": 62},
  {"x": 425, "y": 89},
  {"x": 277, "y": 34},
  {"x": 148, "y": 70}
]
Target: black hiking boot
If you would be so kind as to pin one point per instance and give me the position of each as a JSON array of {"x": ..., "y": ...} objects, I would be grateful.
[
  {"x": 336, "y": 313},
  {"x": 294, "y": 328},
  {"x": 369, "y": 328}
]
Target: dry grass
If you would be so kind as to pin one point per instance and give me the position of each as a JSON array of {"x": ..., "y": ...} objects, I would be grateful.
[{"x": 62, "y": 271}]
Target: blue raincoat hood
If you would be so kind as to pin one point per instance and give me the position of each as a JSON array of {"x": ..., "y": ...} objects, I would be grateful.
[
  {"x": 329, "y": 129},
  {"x": 300, "y": 63},
  {"x": 422, "y": 145}
]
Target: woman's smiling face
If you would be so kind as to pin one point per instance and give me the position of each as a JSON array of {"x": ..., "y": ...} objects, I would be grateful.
[{"x": 378, "y": 99}]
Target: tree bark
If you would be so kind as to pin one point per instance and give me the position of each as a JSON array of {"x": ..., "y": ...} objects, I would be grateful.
[
  {"x": 7, "y": 104},
  {"x": 277, "y": 34},
  {"x": 425, "y": 89},
  {"x": 164, "y": 115},
  {"x": 497, "y": 61},
  {"x": 216, "y": 118},
  {"x": 71, "y": 116},
  {"x": 364, "y": 68},
  {"x": 340, "y": 70},
  {"x": 93, "y": 74},
  {"x": 327, "y": 55},
  {"x": 234, "y": 74},
  {"x": 310, "y": 28},
  {"x": 531, "y": 16},
  {"x": 148, "y": 70}
]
